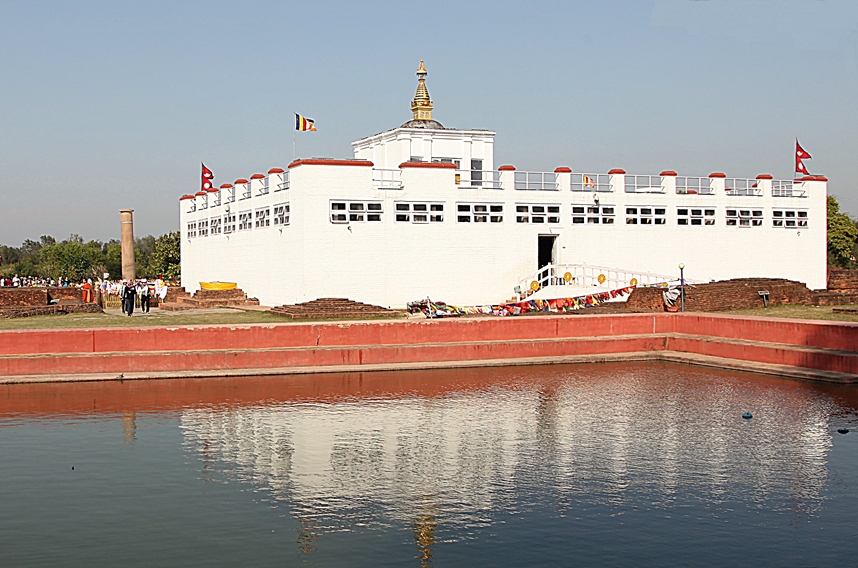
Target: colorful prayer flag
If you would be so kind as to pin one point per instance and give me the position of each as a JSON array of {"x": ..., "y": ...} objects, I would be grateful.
[{"x": 303, "y": 123}]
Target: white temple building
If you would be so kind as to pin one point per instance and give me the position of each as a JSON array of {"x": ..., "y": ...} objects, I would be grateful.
[{"x": 422, "y": 211}]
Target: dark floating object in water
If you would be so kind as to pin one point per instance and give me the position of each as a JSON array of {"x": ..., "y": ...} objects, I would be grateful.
[
  {"x": 747, "y": 416},
  {"x": 72, "y": 467},
  {"x": 843, "y": 430}
]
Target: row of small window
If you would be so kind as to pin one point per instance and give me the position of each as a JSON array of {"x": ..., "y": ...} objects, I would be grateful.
[
  {"x": 428, "y": 212},
  {"x": 789, "y": 218},
  {"x": 356, "y": 212},
  {"x": 419, "y": 212},
  {"x": 593, "y": 214},
  {"x": 260, "y": 218}
]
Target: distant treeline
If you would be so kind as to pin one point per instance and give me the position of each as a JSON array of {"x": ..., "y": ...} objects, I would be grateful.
[
  {"x": 75, "y": 258},
  {"x": 842, "y": 237}
]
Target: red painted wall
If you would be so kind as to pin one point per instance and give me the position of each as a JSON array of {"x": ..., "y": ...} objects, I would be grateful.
[{"x": 119, "y": 350}]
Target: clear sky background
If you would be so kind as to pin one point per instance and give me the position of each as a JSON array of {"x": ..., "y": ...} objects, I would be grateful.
[{"x": 107, "y": 105}]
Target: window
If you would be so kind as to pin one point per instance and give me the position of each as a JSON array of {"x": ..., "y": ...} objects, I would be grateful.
[
  {"x": 192, "y": 229},
  {"x": 695, "y": 216},
  {"x": 419, "y": 212},
  {"x": 356, "y": 211},
  {"x": 646, "y": 215},
  {"x": 593, "y": 214},
  {"x": 479, "y": 212},
  {"x": 476, "y": 173},
  {"x": 229, "y": 223},
  {"x": 789, "y": 218},
  {"x": 214, "y": 226},
  {"x": 281, "y": 214},
  {"x": 539, "y": 214},
  {"x": 262, "y": 218},
  {"x": 203, "y": 228},
  {"x": 245, "y": 220},
  {"x": 744, "y": 217},
  {"x": 280, "y": 181}
]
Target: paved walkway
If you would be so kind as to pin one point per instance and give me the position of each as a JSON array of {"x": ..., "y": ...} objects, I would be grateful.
[{"x": 157, "y": 313}]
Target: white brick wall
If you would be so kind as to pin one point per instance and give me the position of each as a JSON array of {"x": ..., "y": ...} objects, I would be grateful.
[
  {"x": 389, "y": 149},
  {"x": 390, "y": 263}
]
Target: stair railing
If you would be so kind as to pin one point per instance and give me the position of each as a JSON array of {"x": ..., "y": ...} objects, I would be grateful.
[{"x": 588, "y": 275}]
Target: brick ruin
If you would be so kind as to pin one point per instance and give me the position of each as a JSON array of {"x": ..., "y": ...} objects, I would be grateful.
[
  {"x": 743, "y": 293},
  {"x": 842, "y": 289},
  {"x": 26, "y": 302},
  {"x": 333, "y": 308},
  {"x": 178, "y": 299}
]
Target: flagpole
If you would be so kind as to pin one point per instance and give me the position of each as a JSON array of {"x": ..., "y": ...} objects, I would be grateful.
[{"x": 294, "y": 137}]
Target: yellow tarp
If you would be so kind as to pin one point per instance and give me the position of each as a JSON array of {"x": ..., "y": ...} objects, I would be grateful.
[{"x": 218, "y": 285}]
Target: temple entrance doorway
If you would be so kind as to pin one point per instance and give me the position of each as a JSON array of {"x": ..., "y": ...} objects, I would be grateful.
[{"x": 546, "y": 247}]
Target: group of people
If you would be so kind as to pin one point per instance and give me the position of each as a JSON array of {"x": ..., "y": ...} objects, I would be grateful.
[
  {"x": 34, "y": 282},
  {"x": 128, "y": 291}
]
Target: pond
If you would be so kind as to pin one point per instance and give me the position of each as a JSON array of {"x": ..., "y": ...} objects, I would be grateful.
[{"x": 610, "y": 465}]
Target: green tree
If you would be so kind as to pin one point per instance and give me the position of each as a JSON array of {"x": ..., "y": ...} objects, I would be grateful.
[
  {"x": 113, "y": 259},
  {"x": 23, "y": 268},
  {"x": 144, "y": 247},
  {"x": 166, "y": 256},
  {"x": 72, "y": 259},
  {"x": 10, "y": 255},
  {"x": 30, "y": 250},
  {"x": 842, "y": 236}
]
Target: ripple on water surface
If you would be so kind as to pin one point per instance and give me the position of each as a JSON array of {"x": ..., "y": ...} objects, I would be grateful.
[{"x": 615, "y": 464}]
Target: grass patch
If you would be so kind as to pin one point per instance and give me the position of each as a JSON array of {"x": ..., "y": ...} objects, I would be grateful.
[
  {"x": 799, "y": 312},
  {"x": 155, "y": 318}
]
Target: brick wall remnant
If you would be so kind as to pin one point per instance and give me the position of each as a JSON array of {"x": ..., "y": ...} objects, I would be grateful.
[{"x": 726, "y": 295}]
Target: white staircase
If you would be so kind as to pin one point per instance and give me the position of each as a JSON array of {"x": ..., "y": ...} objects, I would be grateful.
[{"x": 572, "y": 280}]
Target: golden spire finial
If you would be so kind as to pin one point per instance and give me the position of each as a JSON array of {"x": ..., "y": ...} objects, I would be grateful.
[{"x": 421, "y": 106}]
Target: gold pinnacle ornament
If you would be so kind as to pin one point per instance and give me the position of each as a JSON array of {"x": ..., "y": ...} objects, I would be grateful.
[{"x": 421, "y": 106}]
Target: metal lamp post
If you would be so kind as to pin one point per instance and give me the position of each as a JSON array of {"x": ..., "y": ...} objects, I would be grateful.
[{"x": 682, "y": 284}]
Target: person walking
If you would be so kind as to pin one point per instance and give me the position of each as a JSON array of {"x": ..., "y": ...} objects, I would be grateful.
[
  {"x": 144, "y": 296},
  {"x": 129, "y": 293}
]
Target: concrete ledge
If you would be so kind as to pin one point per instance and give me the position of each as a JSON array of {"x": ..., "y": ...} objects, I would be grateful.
[
  {"x": 783, "y": 371},
  {"x": 315, "y": 370},
  {"x": 812, "y": 350}
]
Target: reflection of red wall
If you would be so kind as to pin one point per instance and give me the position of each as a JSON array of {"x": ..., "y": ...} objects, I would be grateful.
[{"x": 172, "y": 396}]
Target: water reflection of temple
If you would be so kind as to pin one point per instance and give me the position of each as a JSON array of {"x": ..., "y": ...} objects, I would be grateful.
[{"x": 460, "y": 459}]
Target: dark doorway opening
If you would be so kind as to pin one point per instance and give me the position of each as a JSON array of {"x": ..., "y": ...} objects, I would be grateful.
[{"x": 546, "y": 249}]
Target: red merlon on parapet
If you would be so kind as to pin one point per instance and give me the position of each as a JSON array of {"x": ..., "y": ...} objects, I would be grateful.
[
  {"x": 437, "y": 165},
  {"x": 327, "y": 162}
]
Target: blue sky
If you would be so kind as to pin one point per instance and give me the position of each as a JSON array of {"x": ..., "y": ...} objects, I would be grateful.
[{"x": 107, "y": 105}]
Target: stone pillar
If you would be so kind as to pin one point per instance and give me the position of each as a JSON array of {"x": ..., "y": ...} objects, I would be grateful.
[{"x": 129, "y": 269}]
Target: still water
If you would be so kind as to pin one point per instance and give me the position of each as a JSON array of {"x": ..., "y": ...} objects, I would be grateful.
[{"x": 608, "y": 465}]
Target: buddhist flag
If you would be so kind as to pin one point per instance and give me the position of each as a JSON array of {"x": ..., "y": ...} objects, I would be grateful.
[
  {"x": 800, "y": 155},
  {"x": 588, "y": 181},
  {"x": 207, "y": 177},
  {"x": 302, "y": 123}
]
